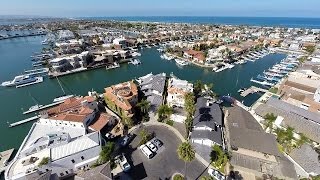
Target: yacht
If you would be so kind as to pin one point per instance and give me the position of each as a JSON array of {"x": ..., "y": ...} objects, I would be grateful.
[
  {"x": 181, "y": 62},
  {"x": 113, "y": 66},
  {"x": 22, "y": 80},
  {"x": 135, "y": 62}
]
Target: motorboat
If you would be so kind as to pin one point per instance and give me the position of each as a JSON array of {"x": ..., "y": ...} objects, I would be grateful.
[
  {"x": 21, "y": 80},
  {"x": 181, "y": 62},
  {"x": 62, "y": 98}
]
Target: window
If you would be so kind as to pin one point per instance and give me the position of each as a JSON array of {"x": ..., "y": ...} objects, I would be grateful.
[
  {"x": 82, "y": 158},
  {"x": 72, "y": 161},
  {"x": 67, "y": 172}
]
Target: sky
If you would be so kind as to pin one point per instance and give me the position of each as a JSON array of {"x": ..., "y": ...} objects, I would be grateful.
[{"x": 100, "y": 8}]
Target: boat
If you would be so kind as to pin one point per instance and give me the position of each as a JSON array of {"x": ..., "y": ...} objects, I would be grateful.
[
  {"x": 113, "y": 66},
  {"x": 37, "y": 72},
  {"x": 181, "y": 62},
  {"x": 135, "y": 62},
  {"x": 241, "y": 90},
  {"x": 64, "y": 96},
  {"x": 22, "y": 80},
  {"x": 230, "y": 66},
  {"x": 135, "y": 54},
  {"x": 264, "y": 83}
]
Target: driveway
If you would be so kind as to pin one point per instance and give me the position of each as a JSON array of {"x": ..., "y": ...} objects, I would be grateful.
[{"x": 165, "y": 163}]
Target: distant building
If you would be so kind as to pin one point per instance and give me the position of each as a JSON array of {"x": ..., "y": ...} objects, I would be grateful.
[
  {"x": 122, "y": 98},
  {"x": 64, "y": 35}
]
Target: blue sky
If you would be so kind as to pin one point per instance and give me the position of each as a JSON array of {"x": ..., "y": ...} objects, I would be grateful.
[{"x": 83, "y": 8}]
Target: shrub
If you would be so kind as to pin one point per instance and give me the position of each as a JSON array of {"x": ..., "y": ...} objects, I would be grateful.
[
  {"x": 44, "y": 161},
  {"x": 170, "y": 122},
  {"x": 178, "y": 177}
]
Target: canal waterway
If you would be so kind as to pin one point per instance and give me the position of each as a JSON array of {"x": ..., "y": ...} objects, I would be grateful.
[{"x": 15, "y": 58}]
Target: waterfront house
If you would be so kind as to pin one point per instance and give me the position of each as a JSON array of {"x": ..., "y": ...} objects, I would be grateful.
[
  {"x": 207, "y": 127},
  {"x": 64, "y": 35},
  {"x": 244, "y": 137},
  {"x": 152, "y": 87},
  {"x": 122, "y": 98},
  {"x": 177, "y": 89},
  {"x": 122, "y": 42},
  {"x": 196, "y": 56}
]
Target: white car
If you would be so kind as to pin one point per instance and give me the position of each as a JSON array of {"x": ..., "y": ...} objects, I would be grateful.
[
  {"x": 146, "y": 151},
  {"x": 151, "y": 146},
  {"x": 216, "y": 174}
]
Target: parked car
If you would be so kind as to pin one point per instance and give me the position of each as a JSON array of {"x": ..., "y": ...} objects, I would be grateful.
[
  {"x": 146, "y": 151},
  {"x": 109, "y": 136},
  {"x": 122, "y": 161},
  {"x": 152, "y": 146},
  {"x": 216, "y": 174},
  {"x": 126, "y": 140},
  {"x": 157, "y": 142}
]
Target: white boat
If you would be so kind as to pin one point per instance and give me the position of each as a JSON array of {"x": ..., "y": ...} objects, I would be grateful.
[
  {"x": 22, "y": 80},
  {"x": 135, "y": 54},
  {"x": 135, "y": 62},
  {"x": 64, "y": 96},
  {"x": 181, "y": 62},
  {"x": 230, "y": 66},
  {"x": 35, "y": 107},
  {"x": 113, "y": 66}
]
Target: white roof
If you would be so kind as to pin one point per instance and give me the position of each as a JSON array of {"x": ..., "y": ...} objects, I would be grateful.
[{"x": 73, "y": 147}]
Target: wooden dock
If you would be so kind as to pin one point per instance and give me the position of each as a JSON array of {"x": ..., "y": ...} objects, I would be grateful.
[
  {"x": 252, "y": 90},
  {"x": 43, "y": 107},
  {"x": 24, "y": 121}
]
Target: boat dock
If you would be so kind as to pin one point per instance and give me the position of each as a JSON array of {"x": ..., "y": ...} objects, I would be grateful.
[
  {"x": 43, "y": 107},
  {"x": 24, "y": 121},
  {"x": 252, "y": 90},
  {"x": 4, "y": 159}
]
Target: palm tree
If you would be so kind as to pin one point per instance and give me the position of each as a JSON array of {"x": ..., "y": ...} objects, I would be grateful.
[
  {"x": 144, "y": 106},
  {"x": 186, "y": 153},
  {"x": 164, "y": 111},
  {"x": 269, "y": 120},
  {"x": 302, "y": 140},
  {"x": 189, "y": 104}
]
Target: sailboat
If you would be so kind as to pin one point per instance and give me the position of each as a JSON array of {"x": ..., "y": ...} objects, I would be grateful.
[{"x": 64, "y": 96}]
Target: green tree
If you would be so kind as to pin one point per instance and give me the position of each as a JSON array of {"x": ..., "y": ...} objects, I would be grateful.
[
  {"x": 207, "y": 178},
  {"x": 144, "y": 106},
  {"x": 218, "y": 157},
  {"x": 186, "y": 153},
  {"x": 189, "y": 104},
  {"x": 269, "y": 120},
  {"x": 106, "y": 152},
  {"x": 145, "y": 136},
  {"x": 164, "y": 111},
  {"x": 302, "y": 140},
  {"x": 197, "y": 87},
  {"x": 310, "y": 49}
]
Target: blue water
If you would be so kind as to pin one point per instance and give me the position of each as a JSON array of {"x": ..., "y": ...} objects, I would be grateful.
[{"x": 313, "y": 23}]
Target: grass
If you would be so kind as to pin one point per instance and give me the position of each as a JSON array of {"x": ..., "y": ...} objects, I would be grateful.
[{"x": 273, "y": 90}]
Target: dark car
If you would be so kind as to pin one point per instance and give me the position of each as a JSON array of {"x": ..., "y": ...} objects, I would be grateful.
[{"x": 126, "y": 140}]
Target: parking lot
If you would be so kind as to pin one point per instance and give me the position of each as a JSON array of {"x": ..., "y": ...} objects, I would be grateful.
[{"x": 165, "y": 162}]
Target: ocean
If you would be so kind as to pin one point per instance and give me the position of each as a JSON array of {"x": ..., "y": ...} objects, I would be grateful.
[{"x": 289, "y": 22}]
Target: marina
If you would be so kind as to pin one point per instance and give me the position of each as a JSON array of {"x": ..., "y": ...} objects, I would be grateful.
[{"x": 81, "y": 82}]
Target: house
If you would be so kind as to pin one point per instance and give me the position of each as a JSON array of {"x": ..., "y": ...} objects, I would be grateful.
[
  {"x": 207, "y": 127},
  {"x": 307, "y": 158},
  {"x": 122, "y": 98},
  {"x": 64, "y": 35},
  {"x": 68, "y": 149},
  {"x": 207, "y": 123},
  {"x": 121, "y": 42},
  {"x": 253, "y": 150},
  {"x": 102, "y": 172},
  {"x": 177, "y": 89},
  {"x": 293, "y": 116},
  {"x": 152, "y": 86},
  {"x": 196, "y": 56},
  {"x": 73, "y": 112}
]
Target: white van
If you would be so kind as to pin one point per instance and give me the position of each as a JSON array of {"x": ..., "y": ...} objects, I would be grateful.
[{"x": 146, "y": 151}]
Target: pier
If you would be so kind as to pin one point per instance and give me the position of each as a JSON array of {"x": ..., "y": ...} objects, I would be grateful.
[
  {"x": 4, "y": 159},
  {"x": 43, "y": 107},
  {"x": 24, "y": 121},
  {"x": 252, "y": 90}
]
